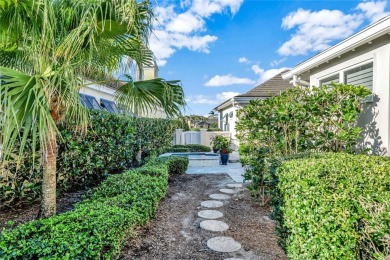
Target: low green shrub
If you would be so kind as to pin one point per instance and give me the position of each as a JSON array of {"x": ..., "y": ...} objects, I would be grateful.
[
  {"x": 176, "y": 164},
  {"x": 98, "y": 226},
  {"x": 177, "y": 150},
  {"x": 214, "y": 129},
  {"x": 109, "y": 146},
  {"x": 332, "y": 206},
  {"x": 192, "y": 147}
]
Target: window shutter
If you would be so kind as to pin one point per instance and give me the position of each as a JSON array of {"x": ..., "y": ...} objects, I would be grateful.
[{"x": 360, "y": 76}]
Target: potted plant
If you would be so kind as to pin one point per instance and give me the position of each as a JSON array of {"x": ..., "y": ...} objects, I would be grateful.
[{"x": 223, "y": 145}]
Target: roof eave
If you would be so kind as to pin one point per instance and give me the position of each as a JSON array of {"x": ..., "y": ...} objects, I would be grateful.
[{"x": 364, "y": 36}]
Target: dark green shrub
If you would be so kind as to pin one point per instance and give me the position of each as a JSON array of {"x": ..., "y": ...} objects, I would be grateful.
[
  {"x": 177, "y": 150},
  {"x": 176, "y": 164},
  {"x": 98, "y": 226},
  {"x": 154, "y": 136},
  {"x": 198, "y": 148},
  {"x": 109, "y": 146},
  {"x": 214, "y": 129},
  {"x": 300, "y": 119},
  {"x": 333, "y": 206}
]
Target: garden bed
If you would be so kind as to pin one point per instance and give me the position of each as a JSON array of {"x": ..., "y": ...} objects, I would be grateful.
[{"x": 175, "y": 232}]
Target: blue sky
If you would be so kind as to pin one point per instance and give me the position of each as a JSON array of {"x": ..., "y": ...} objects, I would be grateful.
[{"x": 221, "y": 48}]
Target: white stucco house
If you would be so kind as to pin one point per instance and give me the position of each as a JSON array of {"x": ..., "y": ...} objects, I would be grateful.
[
  {"x": 96, "y": 96},
  {"x": 227, "y": 111},
  {"x": 361, "y": 59}
]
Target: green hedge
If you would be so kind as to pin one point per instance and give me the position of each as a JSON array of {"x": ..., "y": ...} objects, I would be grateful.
[
  {"x": 98, "y": 226},
  {"x": 176, "y": 164},
  {"x": 192, "y": 147},
  {"x": 177, "y": 150},
  {"x": 333, "y": 206},
  {"x": 110, "y": 146}
]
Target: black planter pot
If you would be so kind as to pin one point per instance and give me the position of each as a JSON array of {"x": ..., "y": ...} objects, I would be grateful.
[
  {"x": 215, "y": 150},
  {"x": 224, "y": 158}
]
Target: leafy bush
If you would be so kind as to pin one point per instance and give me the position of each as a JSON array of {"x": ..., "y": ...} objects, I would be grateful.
[
  {"x": 191, "y": 147},
  {"x": 177, "y": 150},
  {"x": 153, "y": 135},
  {"x": 98, "y": 226},
  {"x": 110, "y": 146},
  {"x": 298, "y": 120},
  {"x": 333, "y": 206},
  {"x": 214, "y": 129},
  {"x": 176, "y": 164}
]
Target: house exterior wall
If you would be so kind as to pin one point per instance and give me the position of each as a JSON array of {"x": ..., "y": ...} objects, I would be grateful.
[
  {"x": 375, "y": 120},
  {"x": 99, "y": 92},
  {"x": 230, "y": 124}
]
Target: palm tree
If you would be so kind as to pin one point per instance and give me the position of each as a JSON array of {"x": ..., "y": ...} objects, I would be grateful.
[{"x": 49, "y": 49}]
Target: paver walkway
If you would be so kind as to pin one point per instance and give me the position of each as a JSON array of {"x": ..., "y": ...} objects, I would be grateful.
[{"x": 234, "y": 170}]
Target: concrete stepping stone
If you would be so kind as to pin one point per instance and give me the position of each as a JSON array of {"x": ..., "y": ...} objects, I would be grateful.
[
  {"x": 211, "y": 204},
  {"x": 210, "y": 214},
  {"x": 228, "y": 191},
  {"x": 214, "y": 225},
  {"x": 223, "y": 244},
  {"x": 219, "y": 196},
  {"x": 235, "y": 185}
]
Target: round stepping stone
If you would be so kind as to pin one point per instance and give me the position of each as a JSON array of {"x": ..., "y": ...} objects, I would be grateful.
[
  {"x": 214, "y": 225},
  {"x": 211, "y": 204},
  {"x": 219, "y": 196},
  {"x": 210, "y": 214},
  {"x": 235, "y": 185},
  {"x": 223, "y": 244},
  {"x": 228, "y": 191}
]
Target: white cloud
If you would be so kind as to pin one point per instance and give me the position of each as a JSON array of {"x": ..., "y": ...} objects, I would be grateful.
[
  {"x": 226, "y": 95},
  {"x": 316, "y": 30},
  {"x": 277, "y": 62},
  {"x": 243, "y": 60},
  {"x": 206, "y": 8},
  {"x": 265, "y": 75},
  {"x": 176, "y": 30},
  {"x": 373, "y": 10},
  {"x": 226, "y": 80},
  {"x": 209, "y": 100}
]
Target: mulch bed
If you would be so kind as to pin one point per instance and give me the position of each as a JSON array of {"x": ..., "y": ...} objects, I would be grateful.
[{"x": 175, "y": 231}]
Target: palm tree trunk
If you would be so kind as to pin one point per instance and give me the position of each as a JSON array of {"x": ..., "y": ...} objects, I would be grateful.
[{"x": 48, "y": 204}]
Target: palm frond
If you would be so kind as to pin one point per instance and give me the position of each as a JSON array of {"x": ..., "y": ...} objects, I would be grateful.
[{"x": 145, "y": 96}]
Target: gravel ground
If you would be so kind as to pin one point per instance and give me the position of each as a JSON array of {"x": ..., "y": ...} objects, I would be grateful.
[{"x": 175, "y": 231}]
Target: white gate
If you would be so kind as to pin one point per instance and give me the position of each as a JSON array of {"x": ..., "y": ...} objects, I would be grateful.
[{"x": 191, "y": 137}]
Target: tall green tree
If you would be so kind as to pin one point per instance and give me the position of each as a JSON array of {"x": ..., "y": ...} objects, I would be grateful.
[{"x": 49, "y": 50}]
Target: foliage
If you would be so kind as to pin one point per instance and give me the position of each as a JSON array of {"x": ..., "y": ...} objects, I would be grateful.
[
  {"x": 49, "y": 51},
  {"x": 109, "y": 147},
  {"x": 332, "y": 206},
  {"x": 176, "y": 164},
  {"x": 98, "y": 226},
  {"x": 153, "y": 136},
  {"x": 177, "y": 150},
  {"x": 298, "y": 120},
  {"x": 214, "y": 128},
  {"x": 221, "y": 143},
  {"x": 193, "y": 147}
]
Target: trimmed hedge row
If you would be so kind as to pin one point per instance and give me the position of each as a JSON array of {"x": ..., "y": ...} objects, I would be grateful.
[
  {"x": 98, "y": 226},
  {"x": 188, "y": 148},
  {"x": 109, "y": 146},
  {"x": 332, "y": 206}
]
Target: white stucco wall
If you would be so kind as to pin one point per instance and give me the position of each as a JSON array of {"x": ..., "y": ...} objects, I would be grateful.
[
  {"x": 375, "y": 119},
  {"x": 231, "y": 121},
  {"x": 99, "y": 92}
]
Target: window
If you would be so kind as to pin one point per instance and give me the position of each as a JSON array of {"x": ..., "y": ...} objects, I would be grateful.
[
  {"x": 326, "y": 81},
  {"x": 361, "y": 75},
  {"x": 110, "y": 106},
  {"x": 89, "y": 101}
]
